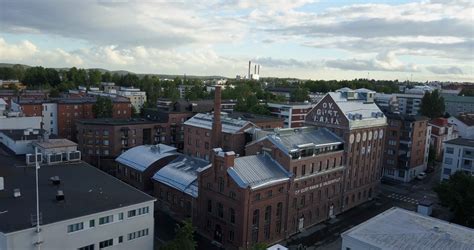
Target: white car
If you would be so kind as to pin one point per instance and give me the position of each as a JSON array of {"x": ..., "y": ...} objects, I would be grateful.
[{"x": 421, "y": 176}]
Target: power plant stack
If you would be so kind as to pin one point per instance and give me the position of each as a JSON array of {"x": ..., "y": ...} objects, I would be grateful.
[{"x": 256, "y": 72}]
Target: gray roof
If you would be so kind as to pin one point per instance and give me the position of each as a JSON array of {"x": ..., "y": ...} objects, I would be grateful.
[
  {"x": 87, "y": 191},
  {"x": 291, "y": 139},
  {"x": 461, "y": 142},
  {"x": 398, "y": 228},
  {"x": 142, "y": 157},
  {"x": 257, "y": 171},
  {"x": 181, "y": 174},
  {"x": 19, "y": 134},
  {"x": 229, "y": 125},
  {"x": 359, "y": 106}
]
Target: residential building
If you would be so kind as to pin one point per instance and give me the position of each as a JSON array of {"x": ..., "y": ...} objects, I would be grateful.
[
  {"x": 353, "y": 116},
  {"x": 10, "y": 95},
  {"x": 137, "y": 165},
  {"x": 463, "y": 124},
  {"x": 455, "y": 105},
  {"x": 60, "y": 115},
  {"x": 419, "y": 89},
  {"x": 281, "y": 91},
  {"x": 102, "y": 140},
  {"x": 388, "y": 103},
  {"x": 441, "y": 131},
  {"x": 409, "y": 104},
  {"x": 406, "y": 147},
  {"x": 137, "y": 98},
  {"x": 398, "y": 228},
  {"x": 19, "y": 141},
  {"x": 80, "y": 207},
  {"x": 294, "y": 113},
  {"x": 458, "y": 156},
  {"x": 261, "y": 121}
]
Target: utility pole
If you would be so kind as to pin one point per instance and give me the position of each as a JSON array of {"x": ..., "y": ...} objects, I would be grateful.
[{"x": 38, "y": 229}]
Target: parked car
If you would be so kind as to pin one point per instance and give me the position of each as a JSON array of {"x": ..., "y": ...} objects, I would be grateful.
[{"x": 421, "y": 176}]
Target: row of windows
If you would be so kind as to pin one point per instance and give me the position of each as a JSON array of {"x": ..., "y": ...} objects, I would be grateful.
[
  {"x": 315, "y": 169},
  {"x": 220, "y": 211},
  {"x": 110, "y": 242},
  {"x": 106, "y": 219}
]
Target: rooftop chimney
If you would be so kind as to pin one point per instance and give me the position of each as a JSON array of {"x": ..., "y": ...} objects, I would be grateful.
[
  {"x": 16, "y": 192},
  {"x": 60, "y": 195},
  {"x": 216, "y": 123}
]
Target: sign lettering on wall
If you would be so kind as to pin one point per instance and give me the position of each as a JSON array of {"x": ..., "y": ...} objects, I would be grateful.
[
  {"x": 322, "y": 184},
  {"x": 327, "y": 113}
]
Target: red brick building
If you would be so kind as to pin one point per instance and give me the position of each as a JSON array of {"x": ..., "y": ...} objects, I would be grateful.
[
  {"x": 441, "y": 131},
  {"x": 353, "y": 115},
  {"x": 406, "y": 146}
]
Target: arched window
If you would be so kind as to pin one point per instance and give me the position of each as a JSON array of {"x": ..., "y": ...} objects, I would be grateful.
[
  {"x": 255, "y": 222},
  {"x": 221, "y": 184},
  {"x": 232, "y": 215}
]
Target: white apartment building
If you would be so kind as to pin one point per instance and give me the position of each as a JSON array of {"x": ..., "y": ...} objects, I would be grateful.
[
  {"x": 80, "y": 207},
  {"x": 458, "y": 156},
  {"x": 464, "y": 124},
  {"x": 294, "y": 113},
  {"x": 137, "y": 98},
  {"x": 409, "y": 104}
]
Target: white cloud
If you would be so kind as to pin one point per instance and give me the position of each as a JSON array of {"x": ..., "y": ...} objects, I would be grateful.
[{"x": 443, "y": 70}]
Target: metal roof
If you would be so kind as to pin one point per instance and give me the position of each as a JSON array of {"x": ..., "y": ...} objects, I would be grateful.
[
  {"x": 181, "y": 174},
  {"x": 292, "y": 138},
  {"x": 257, "y": 171},
  {"x": 142, "y": 157},
  {"x": 461, "y": 142},
  {"x": 398, "y": 228},
  {"x": 229, "y": 125}
]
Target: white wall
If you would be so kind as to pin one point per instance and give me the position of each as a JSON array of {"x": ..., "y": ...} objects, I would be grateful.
[
  {"x": 20, "y": 122},
  {"x": 50, "y": 117},
  {"x": 463, "y": 130},
  {"x": 19, "y": 147},
  {"x": 55, "y": 236}
]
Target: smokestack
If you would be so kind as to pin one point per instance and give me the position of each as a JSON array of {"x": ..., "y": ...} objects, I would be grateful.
[
  {"x": 250, "y": 65},
  {"x": 255, "y": 69},
  {"x": 216, "y": 123},
  {"x": 258, "y": 72}
]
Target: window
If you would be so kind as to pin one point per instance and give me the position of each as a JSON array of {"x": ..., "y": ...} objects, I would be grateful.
[
  {"x": 401, "y": 173},
  {"x": 268, "y": 214},
  {"x": 132, "y": 213},
  {"x": 138, "y": 234},
  {"x": 231, "y": 235},
  {"x": 106, "y": 219},
  {"x": 447, "y": 171},
  {"x": 257, "y": 197},
  {"x": 232, "y": 215},
  {"x": 92, "y": 223},
  {"x": 221, "y": 184},
  {"x": 232, "y": 195},
  {"x": 303, "y": 170},
  {"x": 120, "y": 239},
  {"x": 220, "y": 210},
  {"x": 89, "y": 247},
  {"x": 106, "y": 243},
  {"x": 448, "y": 160},
  {"x": 449, "y": 150},
  {"x": 120, "y": 216},
  {"x": 75, "y": 227},
  {"x": 209, "y": 206}
]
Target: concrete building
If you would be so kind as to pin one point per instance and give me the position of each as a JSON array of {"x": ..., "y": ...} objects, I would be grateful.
[
  {"x": 458, "y": 156},
  {"x": 294, "y": 113},
  {"x": 406, "y": 147},
  {"x": 353, "y": 116},
  {"x": 137, "y": 165},
  {"x": 409, "y": 104},
  {"x": 388, "y": 103},
  {"x": 463, "y": 124},
  {"x": 441, "y": 131},
  {"x": 261, "y": 121},
  {"x": 137, "y": 98},
  {"x": 398, "y": 228},
  {"x": 19, "y": 141},
  {"x": 455, "y": 105},
  {"x": 419, "y": 90},
  {"x": 80, "y": 207}
]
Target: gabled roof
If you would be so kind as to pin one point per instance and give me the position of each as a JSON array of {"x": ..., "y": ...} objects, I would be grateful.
[
  {"x": 229, "y": 125},
  {"x": 142, "y": 157},
  {"x": 181, "y": 174},
  {"x": 257, "y": 171}
]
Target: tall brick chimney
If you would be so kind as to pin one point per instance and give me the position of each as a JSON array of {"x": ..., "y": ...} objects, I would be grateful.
[{"x": 216, "y": 140}]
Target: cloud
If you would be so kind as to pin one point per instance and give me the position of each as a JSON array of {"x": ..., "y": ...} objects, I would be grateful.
[
  {"x": 386, "y": 61},
  {"x": 453, "y": 70},
  {"x": 286, "y": 63}
]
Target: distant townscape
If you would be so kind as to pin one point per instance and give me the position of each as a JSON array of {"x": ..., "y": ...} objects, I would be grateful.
[{"x": 92, "y": 159}]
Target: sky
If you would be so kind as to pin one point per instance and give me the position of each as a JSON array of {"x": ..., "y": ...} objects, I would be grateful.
[{"x": 424, "y": 40}]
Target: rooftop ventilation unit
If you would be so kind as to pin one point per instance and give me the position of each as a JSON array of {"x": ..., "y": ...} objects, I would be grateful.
[
  {"x": 60, "y": 195},
  {"x": 54, "y": 158},
  {"x": 74, "y": 156},
  {"x": 55, "y": 180},
  {"x": 16, "y": 192}
]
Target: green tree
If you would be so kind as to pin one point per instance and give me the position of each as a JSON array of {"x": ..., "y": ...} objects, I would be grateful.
[
  {"x": 106, "y": 77},
  {"x": 432, "y": 105},
  {"x": 259, "y": 246},
  {"x": 95, "y": 77},
  {"x": 457, "y": 193},
  {"x": 184, "y": 238},
  {"x": 103, "y": 108},
  {"x": 299, "y": 95}
]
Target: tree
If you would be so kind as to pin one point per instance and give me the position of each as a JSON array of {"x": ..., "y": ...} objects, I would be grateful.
[
  {"x": 259, "y": 246},
  {"x": 95, "y": 77},
  {"x": 457, "y": 193},
  {"x": 431, "y": 155},
  {"x": 103, "y": 107},
  {"x": 432, "y": 105},
  {"x": 184, "y": 238},
  {"x": 299, "y": 95}
]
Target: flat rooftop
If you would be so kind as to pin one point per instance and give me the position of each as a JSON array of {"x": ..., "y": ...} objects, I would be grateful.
[
  {"x": 398, "y": 228},
  {"x": 461, "y": 142},
  {"x": 116, "y": 122},
  {"x": 254, "y": 117},
  {"x": 55, "y": 143},
  {"x": 87, "y": 191},
  {"x": 19, "y": 134}
]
